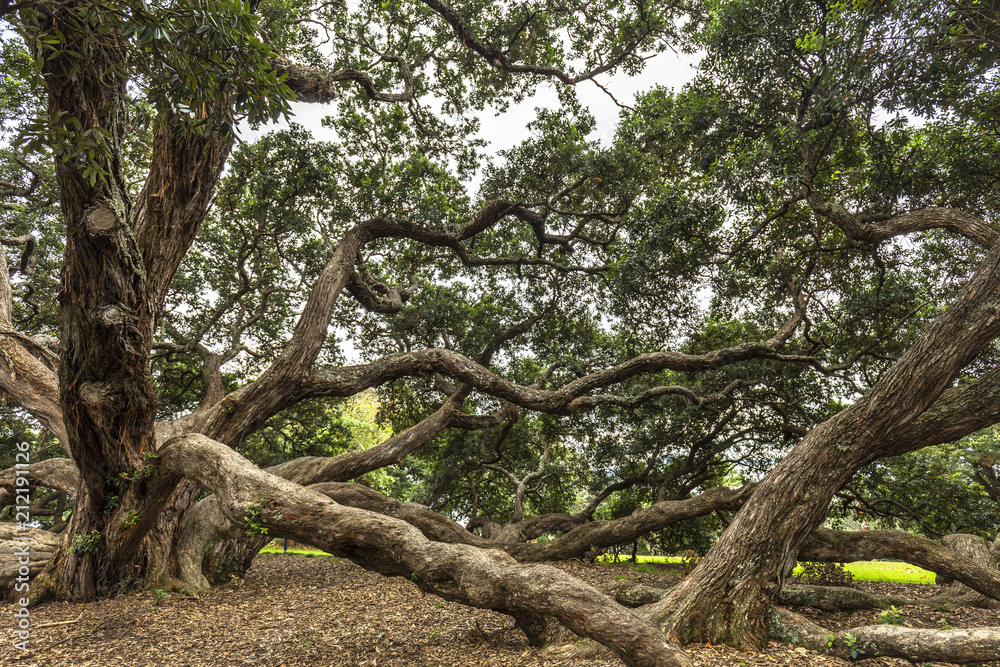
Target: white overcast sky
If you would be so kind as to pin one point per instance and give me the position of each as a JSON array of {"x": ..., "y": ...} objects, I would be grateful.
[{"x": 671, "y": 70}]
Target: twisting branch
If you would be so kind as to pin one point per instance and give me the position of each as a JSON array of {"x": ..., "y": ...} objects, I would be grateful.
[
  {"x": 312, "y": 84},
  {"x": 349, "y": 380},
  {"x": 28, "y": 241},
  {"x": 391, "y": 546},
  {"x": 499, "y": 59},
  {"x": 873, "y": 230}
]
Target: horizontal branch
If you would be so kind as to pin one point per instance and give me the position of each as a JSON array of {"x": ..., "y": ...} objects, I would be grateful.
[
  {"x": 965, "y": 224},
  {"x": 842, "y": 546},
  {"x": 318, "y": 86},
  {"x": 58, "y": 474},
  {"x": 349, "y": 380},
  {"x": 957, "y": 646},
  {"x": 460, "y": 572}
]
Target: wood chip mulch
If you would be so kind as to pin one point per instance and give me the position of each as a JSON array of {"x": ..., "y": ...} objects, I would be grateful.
[{"x": 294, "y": 610}]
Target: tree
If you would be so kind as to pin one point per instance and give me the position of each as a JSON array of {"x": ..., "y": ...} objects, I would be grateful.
[{"x": 195, "y": 308}]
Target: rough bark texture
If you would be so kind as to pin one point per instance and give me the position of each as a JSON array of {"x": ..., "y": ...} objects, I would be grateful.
[
  {"x": 959, "y": 646},
  {"x": 720, "y": 603},
  {"x": 489, "y": 579},
  {"x": 973, "y": 550},
  {"x": 106, "y": 393},
  {"x": 41, "y": 547}
]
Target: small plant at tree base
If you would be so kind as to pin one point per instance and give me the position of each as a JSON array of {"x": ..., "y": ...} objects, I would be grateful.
[
  {"x": 827, "y": 574},
  {"x": 944, "y": 624},
  {"x": 158, "y": 596},
  {"x": 689, "y": 560},
  {"x": 852, "y": 645},
  {"x": 831, "y": 639},
  {"x": 111, "y": 503},
  {"x": 254, "y": 525},
  {"x": 891, "y": 616},
  {"x": 89, "y": 543}
]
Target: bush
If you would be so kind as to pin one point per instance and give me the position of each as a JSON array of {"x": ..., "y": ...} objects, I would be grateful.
[{"x": 826, "y": 574}]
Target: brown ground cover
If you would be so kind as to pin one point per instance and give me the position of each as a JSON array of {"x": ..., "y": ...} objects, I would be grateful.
[{"x": 294, "y": 610}]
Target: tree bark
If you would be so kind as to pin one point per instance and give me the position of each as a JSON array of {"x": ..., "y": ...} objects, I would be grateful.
[
  {"x": 973, "y": 550},
  {"x": 727, "y": 598},
  {"x": 489, "y": 579},
  {"x": 958, "y": 646}
]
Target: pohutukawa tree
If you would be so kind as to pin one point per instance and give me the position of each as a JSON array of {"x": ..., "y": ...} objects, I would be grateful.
[{"x": 789, "y": 267}]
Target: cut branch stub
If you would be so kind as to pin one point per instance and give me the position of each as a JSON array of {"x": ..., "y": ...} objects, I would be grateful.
[
  {"x": 110, "y": 315},
  {"x": 101, "y": 220}
]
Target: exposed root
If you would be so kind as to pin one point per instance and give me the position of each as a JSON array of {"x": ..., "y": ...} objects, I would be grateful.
[{"x": 959, "y": 646}]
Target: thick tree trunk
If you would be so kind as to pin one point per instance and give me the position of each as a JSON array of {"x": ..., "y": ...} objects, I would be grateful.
[{"x": 728, "y": 596}]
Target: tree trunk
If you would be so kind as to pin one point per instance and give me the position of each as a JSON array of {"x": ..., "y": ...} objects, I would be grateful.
[
  {"x": 728, "y": 596},
  {"x": 974, "y": 550}
]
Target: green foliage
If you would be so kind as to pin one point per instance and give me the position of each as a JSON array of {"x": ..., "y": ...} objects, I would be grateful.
[
  {"x": 86, "y": 543},
  {"x": 253, "y": 525},
  {"x": 937, "y": 490},
  {"x": 890, "y": 616},
  {"x": 689, "y": 560},
  {"x": 851, "y": 642},
  {"x": 827, "y": 574}
]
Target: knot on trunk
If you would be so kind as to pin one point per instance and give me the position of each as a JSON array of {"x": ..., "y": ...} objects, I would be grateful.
[
  {"x": 110, "y": 315},
  {"x": 94, "y": 393},
  {"x": 101, "y": 220}
]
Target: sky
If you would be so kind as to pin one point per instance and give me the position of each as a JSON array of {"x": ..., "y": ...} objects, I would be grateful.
[{"x": 505, "y": 130}]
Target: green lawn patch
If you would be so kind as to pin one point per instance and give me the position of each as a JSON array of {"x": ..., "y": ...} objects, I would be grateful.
[
  {"x": 896, "y": 573},
  {"x": 297, "y": 552}
]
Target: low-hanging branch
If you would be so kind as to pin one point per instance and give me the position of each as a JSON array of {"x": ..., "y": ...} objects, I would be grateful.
[{"x": 249, "y": 496}]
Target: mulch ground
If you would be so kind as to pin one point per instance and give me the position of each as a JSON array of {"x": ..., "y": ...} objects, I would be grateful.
[{"x": 293, "y": 610}]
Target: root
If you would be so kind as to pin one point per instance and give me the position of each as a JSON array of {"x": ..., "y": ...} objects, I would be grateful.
[{"x": 959, "y": 646}]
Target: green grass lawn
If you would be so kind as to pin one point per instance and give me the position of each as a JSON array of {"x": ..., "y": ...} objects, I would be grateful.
[
  {"x": 269, "y": 549},
  {"x": 896, "y": 573}
]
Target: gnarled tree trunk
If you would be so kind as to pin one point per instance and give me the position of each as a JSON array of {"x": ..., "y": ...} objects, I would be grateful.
[{"x": 728, "y": 596}]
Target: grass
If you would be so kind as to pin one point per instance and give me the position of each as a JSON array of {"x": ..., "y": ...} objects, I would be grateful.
[
  {"x": 896, "y": 573},
  {"x": 310, "y": 553}
]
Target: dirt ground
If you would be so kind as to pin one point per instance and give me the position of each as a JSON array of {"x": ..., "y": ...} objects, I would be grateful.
[{"x": 294, "y": 610}]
